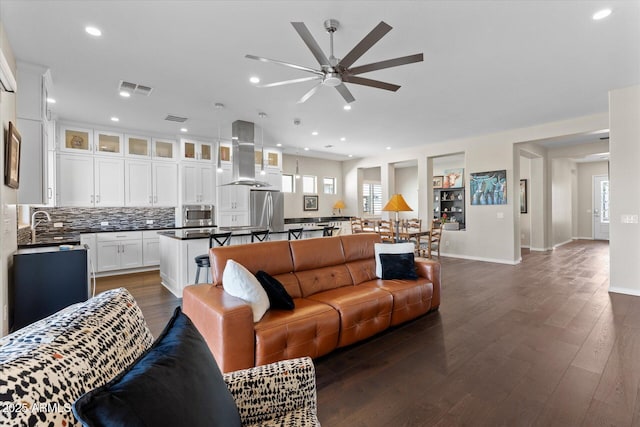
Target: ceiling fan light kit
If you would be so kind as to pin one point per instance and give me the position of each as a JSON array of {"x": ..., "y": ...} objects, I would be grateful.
[{"x": 336, "y": 72}]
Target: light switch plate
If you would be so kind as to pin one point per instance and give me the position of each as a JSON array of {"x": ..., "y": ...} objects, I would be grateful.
[
  {"x": 149, "y": 221},
  {"x": 500, "y": 215},
  {"x": 58, "y": 224},
  {"x": 103, "y": 223},
  {"x": 629, "y": 219}
]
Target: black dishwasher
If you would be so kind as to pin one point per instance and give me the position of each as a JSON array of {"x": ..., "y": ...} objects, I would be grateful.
[{"x": 46, "y": 280}]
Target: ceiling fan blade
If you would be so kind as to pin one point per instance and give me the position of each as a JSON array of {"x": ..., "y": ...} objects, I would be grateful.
[
  {"x": 287, "y": 82},
  {"x": 311, "y": 43},
  {"x": 310, "y": 93},
  {"x": 286, "y": 64},
  {"x": 365, "y": 44},
  {"x": 346, "y": 94},
  {"x": 369, "y": 82},
  {"x": 387, "y": 64}
]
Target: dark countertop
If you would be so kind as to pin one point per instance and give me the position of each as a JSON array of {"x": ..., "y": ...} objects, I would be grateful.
[
  {"x": 236, "y": 232},
  {"x": 47, "y": 248},
  {"x": 316, "y": 219}
]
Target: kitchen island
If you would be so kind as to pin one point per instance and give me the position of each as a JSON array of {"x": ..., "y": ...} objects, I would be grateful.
[{"x": 178, "y": 249}]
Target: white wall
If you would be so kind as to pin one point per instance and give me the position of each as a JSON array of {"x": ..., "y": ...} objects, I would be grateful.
[
  {"x": 8, "y": 196},
  {"x": 562, "y": 200},
  {"x": 525, "y": 218},
  {"x": 320, "y": 168},
  {"x": 407, "y": 185},
  {"x": 586, "y": 172},
  {"x": 490, "y": 230},
  {"x": 624, "y": 247}
]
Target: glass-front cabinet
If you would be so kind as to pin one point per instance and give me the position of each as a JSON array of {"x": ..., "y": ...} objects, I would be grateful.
[
  {"x": 196, "y": 150},
  {"x": 108, "y": 142},
  {"x": 164, "y": 149},
  {"x": 76, "y": 140},
  {"x": 139, "y": 146}
]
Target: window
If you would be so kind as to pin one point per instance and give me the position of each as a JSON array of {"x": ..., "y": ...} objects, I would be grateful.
[
  {"x": 329, "y": 185},
  {"x": 372, "y": 198},
  {"x": 604, "y": 209},
  {"x": 287, "y": 183},
  {"x": 309, "y": 184}
]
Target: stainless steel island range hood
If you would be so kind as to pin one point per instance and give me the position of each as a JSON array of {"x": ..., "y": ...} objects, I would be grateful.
[{"x": 243, "y": 170}]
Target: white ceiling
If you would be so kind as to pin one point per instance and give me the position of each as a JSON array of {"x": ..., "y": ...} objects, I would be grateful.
[{"x": 489, "y": 65}]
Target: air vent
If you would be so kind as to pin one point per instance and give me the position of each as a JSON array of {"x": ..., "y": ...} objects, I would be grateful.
[
  {"x": 135, "y": 88},
  {"x": 328, "y": 146},
  {"x": 172, "y": 118}
]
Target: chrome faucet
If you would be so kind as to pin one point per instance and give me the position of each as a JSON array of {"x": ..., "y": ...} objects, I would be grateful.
[{"x": 35, "y": 224}]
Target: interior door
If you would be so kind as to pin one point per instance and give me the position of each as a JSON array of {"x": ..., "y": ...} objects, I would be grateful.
[{"x": 601, "y": 207}]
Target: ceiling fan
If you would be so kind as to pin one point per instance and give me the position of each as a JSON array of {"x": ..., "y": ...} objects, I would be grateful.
[{"x": 336, "y": 72}]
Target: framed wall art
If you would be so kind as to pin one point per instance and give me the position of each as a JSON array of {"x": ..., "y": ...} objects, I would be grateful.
[
  {"x": 437, "y": 181},
  {"x": 489, "y": 188},
  {"x": 12, "y": 157},
  {"x": 523, "y": 196},
  {"x": 453, "y": 178},
  {"x": 310, "y": 203}
]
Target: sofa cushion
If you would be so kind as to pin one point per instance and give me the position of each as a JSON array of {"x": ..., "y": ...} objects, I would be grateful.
[
  {"x": 359, "y": 246},
  {"x": 57, "y": 359},
  {"x": 311, "y": 329},
  {"x": 386, "y": 248},
  {"x": 279, "y": 299},
  {"x": 239, "y": 282},
  {"x": 308, "y": 254},
  {"x": 363, "y": 312},
  {"x": 176, "y": 382},
  {"x": 411, "y": 298},
  {"x": 272, "y": 257},
  {"x": 398, "y": 266},
  {"x": 323, "y": 279}
]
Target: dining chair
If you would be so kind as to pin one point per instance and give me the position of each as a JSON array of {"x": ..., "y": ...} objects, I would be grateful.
[
  {"x": 434, "y": 238},
  {"x": 261, "y": 236},
  {"x": 202, "y": 261},
  {"x": 356, "y": 225},
  {"x": 385, "y": 230},
  {"x": 296, "y": 233},
  {"x": 410, "y": 229}
]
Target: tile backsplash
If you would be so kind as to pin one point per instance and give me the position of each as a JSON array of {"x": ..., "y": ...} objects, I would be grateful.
[{"x": 79, "y": 220}]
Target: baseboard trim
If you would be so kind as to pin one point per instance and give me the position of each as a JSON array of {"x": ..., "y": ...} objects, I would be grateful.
[
  {"x": 127, "y": 271},
  {"x": 540, "y": 249},
  {"x": 626, "y": 291},
  {"x": 476, "y": 258},
  {"x": 563, "y": 243},
  {"x": 525, "y": 246},
  {"x": 583, "y": 238}
]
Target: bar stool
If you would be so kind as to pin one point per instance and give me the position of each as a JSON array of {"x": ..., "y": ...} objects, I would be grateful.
[
  {"x": 202, "y": 261},
  {"x": 261, "y": 236},
  {"x": 327, "y": 231},
  {"x": 296, "y": 233}
]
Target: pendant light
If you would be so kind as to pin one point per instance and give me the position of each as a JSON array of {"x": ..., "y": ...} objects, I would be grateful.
[
  {"x": 219, "y": 106},
  {"x": 262, "y": 116},
  {"x": 297, "y": 122}
]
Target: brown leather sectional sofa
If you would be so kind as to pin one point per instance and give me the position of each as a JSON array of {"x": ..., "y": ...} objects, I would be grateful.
[{"x": 338, "y": 300}]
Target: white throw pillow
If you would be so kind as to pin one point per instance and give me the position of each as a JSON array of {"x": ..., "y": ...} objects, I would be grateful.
[
  {"x": 386, "y": 248},
  {"x": 239, "y": 282}
]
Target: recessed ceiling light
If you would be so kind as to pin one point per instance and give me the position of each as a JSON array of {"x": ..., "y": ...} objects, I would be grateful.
[
  {"x": 388, "y": 148},
  {"x": 184, "y": 130},
  {"x": 115, "y": 119},
  {"x": 124, "y": 94},
  {"x": 93, "y": 31},
  {"x": 350, "y": 155},
  {"x": 254, "y": 79},
  {"x": 278, "y": 145},
  {"x": 51, "y": 100},
  {"x": 306, "y": 148},
  {"x": 347, "y": 107},
  {"x": 601, "y": 14},
  {"x": 343, "y": 139},
  {"x": 314, "y": 133}
]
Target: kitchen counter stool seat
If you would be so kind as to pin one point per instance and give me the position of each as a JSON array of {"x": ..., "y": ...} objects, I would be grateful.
[{"x": 202, "y": 261}]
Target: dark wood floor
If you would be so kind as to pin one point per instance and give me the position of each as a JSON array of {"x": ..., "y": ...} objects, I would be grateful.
[{"x": 540, "y": 343}]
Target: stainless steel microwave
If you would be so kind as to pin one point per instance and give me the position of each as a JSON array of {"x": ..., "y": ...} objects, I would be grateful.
[{"x": 198, "y": 215}]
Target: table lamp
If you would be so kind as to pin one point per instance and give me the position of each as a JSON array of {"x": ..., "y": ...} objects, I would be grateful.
[
  {"x": 397, "y": 204},
  {"x": 339, "y": 205}
]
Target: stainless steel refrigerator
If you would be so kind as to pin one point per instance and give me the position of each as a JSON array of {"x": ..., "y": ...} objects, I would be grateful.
[{"x": 267, "y": 209}]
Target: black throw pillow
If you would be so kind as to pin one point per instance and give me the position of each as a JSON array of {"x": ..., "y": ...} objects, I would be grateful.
[
  {"x": 279, "y": 298},
  {"x": 398, "y": 266},
  {"x": 175, "y": 383}
]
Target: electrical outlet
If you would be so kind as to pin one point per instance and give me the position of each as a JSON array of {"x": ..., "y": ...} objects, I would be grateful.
[
  {"x": 500, "y": 215},
  {"x": 446, "y": 243},
  {"x": 104, "y": 223},
  {"x": 5, "y": 313},
  {"x": 58, "y": 225},
  {"x": 149, "y": 221}
]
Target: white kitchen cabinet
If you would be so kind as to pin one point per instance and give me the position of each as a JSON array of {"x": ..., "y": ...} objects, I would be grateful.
[
  {"x": 109, "y": 182},
  {"x": 163, "y": 149},
  {"x": 231, "y": 197},
  {"x": 196, "y": 150},
  {"x": 150, "y": 248},
  {"x": 150, "y": 183},
  {"x": 76, "y": 140},
  {"x": 108, "y": 143},
  {"x": 119, "y": 250},
  {"x": 232, "y": 219},
  {"x": 137, "y": 146},
  {"x": 197, "y": 183},
  {"x": 89, "y": 240},
  {"x": 74, "y": 184}
]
